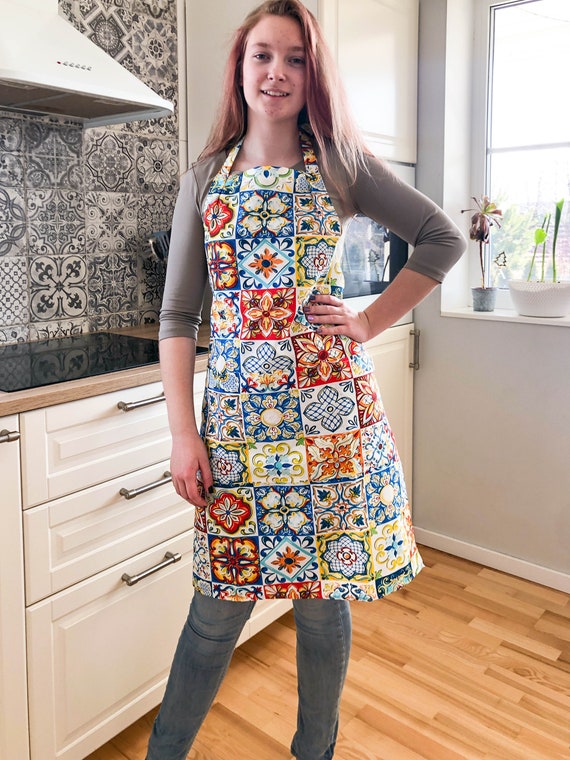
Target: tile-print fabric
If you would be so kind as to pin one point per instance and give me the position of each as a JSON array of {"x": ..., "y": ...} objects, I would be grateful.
[{"x": 309, "y": 498}]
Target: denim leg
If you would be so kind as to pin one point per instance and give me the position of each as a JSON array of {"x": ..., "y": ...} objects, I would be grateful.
[
  {"x": 324, "y": 630},
  {"x": 200, "y": 663}
]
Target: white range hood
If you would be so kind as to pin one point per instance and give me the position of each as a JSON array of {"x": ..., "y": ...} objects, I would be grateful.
[{"x": 48, "y": 67}]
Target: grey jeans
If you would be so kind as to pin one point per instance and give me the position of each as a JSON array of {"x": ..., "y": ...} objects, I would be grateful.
[{"x": 203, "y": 655}]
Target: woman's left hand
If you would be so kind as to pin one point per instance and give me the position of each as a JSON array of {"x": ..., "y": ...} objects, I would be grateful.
[{"x": 332, "y": 316}]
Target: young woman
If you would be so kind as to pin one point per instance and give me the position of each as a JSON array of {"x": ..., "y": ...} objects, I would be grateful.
[{"x": 295, "y": 477}]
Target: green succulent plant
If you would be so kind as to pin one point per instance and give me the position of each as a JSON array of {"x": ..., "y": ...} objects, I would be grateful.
[{"x": 541, "y": 239}]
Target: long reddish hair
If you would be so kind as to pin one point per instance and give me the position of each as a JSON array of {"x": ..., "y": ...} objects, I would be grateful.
[{"x": 326, "y": 114}]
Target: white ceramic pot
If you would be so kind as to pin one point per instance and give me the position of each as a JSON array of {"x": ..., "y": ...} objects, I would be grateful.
[{"x": 540, "y": 299}]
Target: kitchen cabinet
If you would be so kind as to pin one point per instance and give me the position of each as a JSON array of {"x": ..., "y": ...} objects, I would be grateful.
[
  {"x": 99, "y": 509},
  {"x": 375, "y": 44},
  {"x": 13, "y": 694},
  {"x": 393, "y": 355},
  {"x": 99, "y": 652},
  {"x": 96, "y": 571}
]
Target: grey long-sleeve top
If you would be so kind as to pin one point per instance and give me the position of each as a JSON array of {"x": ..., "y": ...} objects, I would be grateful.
[{"x": 377, "y": 193}]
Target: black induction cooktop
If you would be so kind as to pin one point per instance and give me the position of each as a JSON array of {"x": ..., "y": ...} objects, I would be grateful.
[{"x": 44, "y": 362}]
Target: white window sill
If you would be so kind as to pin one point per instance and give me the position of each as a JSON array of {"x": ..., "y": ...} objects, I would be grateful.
[{"x": 505, "y": 315}]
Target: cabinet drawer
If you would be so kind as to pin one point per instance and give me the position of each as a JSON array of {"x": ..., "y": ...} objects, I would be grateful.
[
  {"x": 72, "y": 538},
  {"x": 99, "y": 653},
  {"x": 72, "y": 446}
]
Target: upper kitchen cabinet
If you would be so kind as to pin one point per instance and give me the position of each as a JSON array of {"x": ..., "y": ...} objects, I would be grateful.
[
  {"x": 375, "y": 43},
  {"x": 209, "y": 29}
]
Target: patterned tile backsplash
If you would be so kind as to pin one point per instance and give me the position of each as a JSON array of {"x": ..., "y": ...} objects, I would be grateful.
[{"x": 77, "y": 206}]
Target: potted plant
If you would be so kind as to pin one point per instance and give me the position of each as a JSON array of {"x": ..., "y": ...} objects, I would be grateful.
[
  {"x": 484, "y": 216},
  {"x": 542, "y": 295}
]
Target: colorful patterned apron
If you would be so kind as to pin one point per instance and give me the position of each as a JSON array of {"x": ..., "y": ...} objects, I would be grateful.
[{"x": 309, "y": 498}]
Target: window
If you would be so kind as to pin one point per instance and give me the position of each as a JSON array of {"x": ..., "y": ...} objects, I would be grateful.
[{"x": 528, "y": 128}]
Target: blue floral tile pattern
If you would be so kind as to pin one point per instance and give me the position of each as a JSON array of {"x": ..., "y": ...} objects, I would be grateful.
[
  {"x": 267, "y": 367},
  {"x": 329, "y": 409},
  {"x": 224, "y": 421},
  {"x": 340, "y": 506},
  {"x": 284, "y": 509},
  {"x": 309, "y": 499}
]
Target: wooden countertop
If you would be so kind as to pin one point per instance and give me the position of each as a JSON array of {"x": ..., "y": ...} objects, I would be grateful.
[{"x": 72, "y": 390}]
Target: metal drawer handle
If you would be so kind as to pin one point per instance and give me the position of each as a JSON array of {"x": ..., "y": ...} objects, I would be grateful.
[
  {"x": 127, "y": 406},
  {"x": 7, "y": 436},
  {"x": 415, "y": 363},
  {"x": 166, "y": 478},
  {"x": 169, "y": 559}
]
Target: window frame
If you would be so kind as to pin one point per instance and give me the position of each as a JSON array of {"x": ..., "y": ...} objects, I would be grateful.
[
  {"x": 480, "y": 159},
  {"x": 481, "y": 116}
]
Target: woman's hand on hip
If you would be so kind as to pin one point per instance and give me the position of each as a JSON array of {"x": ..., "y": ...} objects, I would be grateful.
[
  {"x": 332, "y": 316},
  {"x": 190, "y": 469}
]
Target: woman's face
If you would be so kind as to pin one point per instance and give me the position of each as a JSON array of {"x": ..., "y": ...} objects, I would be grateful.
[{"x": 273, "y": 71}]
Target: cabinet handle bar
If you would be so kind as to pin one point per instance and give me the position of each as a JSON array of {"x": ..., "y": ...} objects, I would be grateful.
[
  {"x": 169, "y": 559},
  {"x": 130, "y": 494},
  {"x": 415, "y": 363},
  {"x": 127, "y": 406},
  {"x": 7, "y": 436}
]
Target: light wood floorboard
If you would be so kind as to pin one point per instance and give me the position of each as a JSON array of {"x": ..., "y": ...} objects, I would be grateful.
[{"x": 466, "y": 663}]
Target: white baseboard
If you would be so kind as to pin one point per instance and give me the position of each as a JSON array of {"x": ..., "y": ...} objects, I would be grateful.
[{"x": 512, "y": 565}]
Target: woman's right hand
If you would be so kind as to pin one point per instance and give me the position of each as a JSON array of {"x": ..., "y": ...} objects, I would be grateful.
[{"x": 190, "y": 469}]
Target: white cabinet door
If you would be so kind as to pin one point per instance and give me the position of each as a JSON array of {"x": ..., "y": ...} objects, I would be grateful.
[
  {"x": 13, "y": 698},
  {"x": 391, "y": 353},
  {"x": 376, "y": 47},
  {"x": 99, "y": 653}
]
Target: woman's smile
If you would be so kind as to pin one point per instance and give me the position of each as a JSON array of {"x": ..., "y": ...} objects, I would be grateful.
[{"x": 273, "y": 70}]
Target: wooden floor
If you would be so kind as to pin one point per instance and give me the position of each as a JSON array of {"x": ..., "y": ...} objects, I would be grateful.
[{"x": 466, "y": 662}]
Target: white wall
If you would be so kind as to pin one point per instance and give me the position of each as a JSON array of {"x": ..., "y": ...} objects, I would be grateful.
[{"x": 492, "y": 400}]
